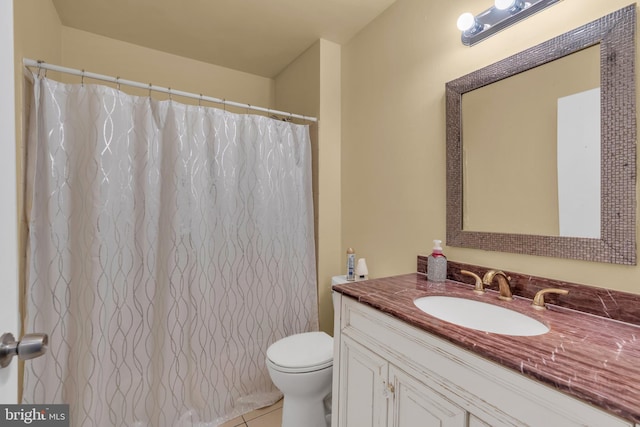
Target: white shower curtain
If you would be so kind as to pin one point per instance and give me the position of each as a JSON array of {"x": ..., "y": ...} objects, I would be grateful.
[{"x": 169, "y": 246}]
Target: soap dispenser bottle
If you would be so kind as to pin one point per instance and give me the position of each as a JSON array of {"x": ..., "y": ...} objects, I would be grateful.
[{"x": 437, "y": 264}]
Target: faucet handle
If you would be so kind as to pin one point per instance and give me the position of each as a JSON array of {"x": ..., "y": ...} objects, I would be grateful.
[
  {"x": 538, "y": 300},
  {"x": 479, "y": 289}
]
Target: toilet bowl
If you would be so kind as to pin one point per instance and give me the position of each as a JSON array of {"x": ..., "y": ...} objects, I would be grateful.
[{"x": 301, "y": 366}]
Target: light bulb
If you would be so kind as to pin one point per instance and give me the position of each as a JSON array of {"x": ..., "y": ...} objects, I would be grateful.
[
  {"x": 466, "y": 21},
  {"x": 511, "y": 5},
  {"x": 504, "y": 4}
]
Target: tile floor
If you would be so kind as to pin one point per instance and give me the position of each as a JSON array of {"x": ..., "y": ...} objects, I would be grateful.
[{"x": 271, "y": 416}]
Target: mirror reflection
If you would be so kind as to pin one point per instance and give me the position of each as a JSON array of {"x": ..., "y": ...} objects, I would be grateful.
[{"x": 531, "y": 151}]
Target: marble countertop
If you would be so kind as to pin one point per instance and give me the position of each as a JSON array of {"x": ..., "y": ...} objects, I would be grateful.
[{"x": 589, "y": 357}]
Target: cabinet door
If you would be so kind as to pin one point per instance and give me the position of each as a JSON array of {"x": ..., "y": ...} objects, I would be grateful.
[
  {"x": 477, "y": 422},
  {"x": 416, "y": 405},
  {"x": 363, "y": 376}
]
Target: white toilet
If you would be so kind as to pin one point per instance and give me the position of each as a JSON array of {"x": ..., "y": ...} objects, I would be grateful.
[{"x": 301, "y": 366}]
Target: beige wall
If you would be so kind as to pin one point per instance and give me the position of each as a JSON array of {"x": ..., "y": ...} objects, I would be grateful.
[
  {"x": 92, "y": 52},
  {"x": 311, "y": 85},
  {"x": 393, "y": 138},
  {"x": 331, "y": 261}
]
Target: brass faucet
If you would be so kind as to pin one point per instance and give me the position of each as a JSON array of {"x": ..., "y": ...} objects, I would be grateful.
[
  {"x": 503, "y": 283},
  {"x": 479, "y": 288},
  {"x": 538, "y": 300}
]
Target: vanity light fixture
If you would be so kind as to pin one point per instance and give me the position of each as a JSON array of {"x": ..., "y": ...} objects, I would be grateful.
[{"x": 501, "y": 15}]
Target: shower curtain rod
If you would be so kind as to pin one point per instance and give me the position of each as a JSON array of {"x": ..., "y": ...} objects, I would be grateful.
[{"x": 117, "y": 80}]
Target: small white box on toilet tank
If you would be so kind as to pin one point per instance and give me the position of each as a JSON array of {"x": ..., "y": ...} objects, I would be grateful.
[{"x": 338, "y": 280}]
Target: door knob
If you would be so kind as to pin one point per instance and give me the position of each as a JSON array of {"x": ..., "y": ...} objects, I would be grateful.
[{"x": 30, "y": 347}]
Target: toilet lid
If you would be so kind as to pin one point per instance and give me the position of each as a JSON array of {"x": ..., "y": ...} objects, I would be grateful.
[{"x": 306, "y": 350}]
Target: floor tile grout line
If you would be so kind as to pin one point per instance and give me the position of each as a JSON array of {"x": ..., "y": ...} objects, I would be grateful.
[
  {"x": 253, "y": 420},
  {"x": 259, "y": 416}
]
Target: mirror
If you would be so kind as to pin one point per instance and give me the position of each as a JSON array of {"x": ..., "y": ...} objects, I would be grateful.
[{"x": 492, "y": 202}]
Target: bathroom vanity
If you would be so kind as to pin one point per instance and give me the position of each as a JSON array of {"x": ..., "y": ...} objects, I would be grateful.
[{"x": 396, "y": 366}]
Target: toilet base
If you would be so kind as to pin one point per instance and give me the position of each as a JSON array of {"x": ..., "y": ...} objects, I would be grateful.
[{"x": 298, "y": 412}]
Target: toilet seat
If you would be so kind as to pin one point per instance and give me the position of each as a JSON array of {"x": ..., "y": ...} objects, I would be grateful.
[{"x": 305, "y": 352}]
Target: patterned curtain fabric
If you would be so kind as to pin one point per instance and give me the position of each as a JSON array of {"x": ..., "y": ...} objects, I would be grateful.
[{"x": 169, "y": 246}]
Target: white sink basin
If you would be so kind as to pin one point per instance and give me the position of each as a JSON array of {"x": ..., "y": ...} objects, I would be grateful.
[{"x": 480, "y": 316}]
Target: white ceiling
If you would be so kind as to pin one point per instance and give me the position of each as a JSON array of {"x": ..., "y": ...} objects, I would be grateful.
[{"x": 256, "y": 36}]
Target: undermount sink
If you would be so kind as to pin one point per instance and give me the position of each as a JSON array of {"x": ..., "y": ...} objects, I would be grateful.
[{"x": 480, "y": 316}]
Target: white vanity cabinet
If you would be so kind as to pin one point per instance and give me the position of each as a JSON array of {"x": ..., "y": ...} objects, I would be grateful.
[{"x": 390, "y": 374}]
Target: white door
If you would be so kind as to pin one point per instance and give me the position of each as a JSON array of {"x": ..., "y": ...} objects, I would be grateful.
[{"x": 8, "y": 204}]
